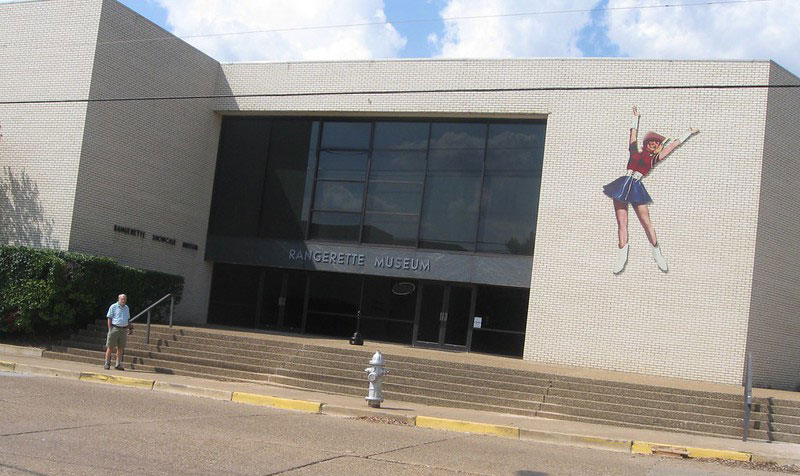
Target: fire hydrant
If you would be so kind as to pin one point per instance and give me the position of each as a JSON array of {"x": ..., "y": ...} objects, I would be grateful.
[{"x": 375, "y": 376}]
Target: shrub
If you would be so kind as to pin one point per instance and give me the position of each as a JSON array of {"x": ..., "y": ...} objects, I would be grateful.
[{"x": 49, "y": 291}]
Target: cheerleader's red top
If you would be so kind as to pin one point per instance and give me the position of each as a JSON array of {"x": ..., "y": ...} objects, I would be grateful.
[{"x": 642, "y": 161}]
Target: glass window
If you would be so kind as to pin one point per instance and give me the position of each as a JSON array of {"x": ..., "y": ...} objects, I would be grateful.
[
  {"x": 508, "y": 214},
  {"x": 516, "y": 136},
  {"x": 342, "y": 165},
  {"x": 394, "y": 197},
  {"x": 455, "y": 160},
  {"x": 335, "y": 293},
  {"x": 341, "y": 196},
  {"x": 390, "y": 229},
  {"x": 450, "y": 212},
  {"x": 283, "y": 195},
  {"x": 398, "y": 165},
  {"x": 335, "y": 226},
  {"x": 401, "y": 135},
  {"x": 458, "y": 136},
  {"x": 346, "y": 135},
  {"x": 241, "y": 164}
]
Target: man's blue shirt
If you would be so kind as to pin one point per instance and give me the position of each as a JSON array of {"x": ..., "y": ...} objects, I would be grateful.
[{"x": 119, "y": 315}]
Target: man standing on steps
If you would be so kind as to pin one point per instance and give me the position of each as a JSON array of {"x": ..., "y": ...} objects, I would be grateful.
[{"x": 118, "y": 324}]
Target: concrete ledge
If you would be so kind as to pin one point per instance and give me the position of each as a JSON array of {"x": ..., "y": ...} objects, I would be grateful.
[
  {"x": 7, "y": 366},
  {"x": 641, "y": 447},
  {"x": 467, "y": 427},
  {"x": 116, "y": 380},
  {"x": 335, "y": 410},
  {"x": 47, "y": 371},
  {"x": 195, "y": 391},
  {"x": 284, "y": 403},
  {"x": 21, "y": 351},
  {"x": 623, "y": 446}
]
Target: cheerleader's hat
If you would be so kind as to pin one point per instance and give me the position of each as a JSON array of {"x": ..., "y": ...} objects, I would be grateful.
[{"x": 652, "y": 136}]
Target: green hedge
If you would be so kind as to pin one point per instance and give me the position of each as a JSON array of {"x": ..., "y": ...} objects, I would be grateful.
[{"x": 48, "y": 291}]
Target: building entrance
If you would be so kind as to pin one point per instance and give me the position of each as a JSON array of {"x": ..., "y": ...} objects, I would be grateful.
[
  {"x": 444, "y": 315},
  {"x": 444, "y": 312}
]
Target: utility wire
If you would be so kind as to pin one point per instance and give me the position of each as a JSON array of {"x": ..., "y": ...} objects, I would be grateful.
[
  {"x": 425, "y": 20},
  {"x": 407, "y": 91},
  {"x": 447, "y": 19}
]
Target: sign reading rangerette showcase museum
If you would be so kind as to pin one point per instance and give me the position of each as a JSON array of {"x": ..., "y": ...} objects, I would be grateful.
[{"x": 354, "y": 259}]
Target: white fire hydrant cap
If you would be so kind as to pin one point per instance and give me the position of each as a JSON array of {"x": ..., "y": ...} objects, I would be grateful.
[{"x": 377, "y": 359}]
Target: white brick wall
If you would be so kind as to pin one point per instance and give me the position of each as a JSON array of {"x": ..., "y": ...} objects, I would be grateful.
[
  {"x": 691, "y": 322},
  {"x": 41, "y": 143},
  {"x": 774, "y": 330},
  {"x": 148, "y": 165}
]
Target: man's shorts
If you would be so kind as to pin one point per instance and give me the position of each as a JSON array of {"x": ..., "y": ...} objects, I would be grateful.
[{"x": 117, "y": 337}]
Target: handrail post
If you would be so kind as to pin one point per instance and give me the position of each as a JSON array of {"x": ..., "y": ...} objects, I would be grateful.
[
  {"x": 147, "y": 341},
  {"x": 748, "y": 396},
  {"x": 171, "y": 307}
]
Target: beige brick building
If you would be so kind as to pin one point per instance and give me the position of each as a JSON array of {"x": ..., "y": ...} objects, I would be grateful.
[{"x": 109, "y": 120}]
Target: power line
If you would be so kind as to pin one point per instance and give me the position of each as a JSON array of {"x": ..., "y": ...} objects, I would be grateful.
[
  {"x": 408, "y": 91},
  {"x": 431, "y": 20}
]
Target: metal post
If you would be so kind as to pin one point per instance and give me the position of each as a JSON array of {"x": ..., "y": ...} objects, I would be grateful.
[
  {"x": 748, "y": 396},
  {"x": 171, "y": 307},
  {"x": 147, "y": 341}
]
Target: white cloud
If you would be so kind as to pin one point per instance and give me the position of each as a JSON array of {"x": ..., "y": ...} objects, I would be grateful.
[
  {"x": 551, "y": 34},
  {"x": 193, "y": 17},
  {"x": 761, "y": 30}
]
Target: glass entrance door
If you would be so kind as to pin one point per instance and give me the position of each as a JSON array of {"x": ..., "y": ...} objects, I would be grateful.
[{"x": 444, "y": 316}]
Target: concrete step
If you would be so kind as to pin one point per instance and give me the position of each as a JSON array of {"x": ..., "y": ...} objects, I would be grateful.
[
  {"x": 753, "y": 434},
  {"x": 141, "y": 367},
  {"x": 626, "y": 419},
  {"x": 163, "y": 366},
  {"x": 181, "y": 355}
]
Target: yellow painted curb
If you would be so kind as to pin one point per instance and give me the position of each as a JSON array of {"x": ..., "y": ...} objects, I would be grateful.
[
  {"x": 623, "y": 446},
  {"x": 116, "y": 380},
  {"x": 467, "y": 427},
  {"x": 641, "y": 447},
  {"x": 7, "y": 366},
  {"x": 285, "y": 403}
]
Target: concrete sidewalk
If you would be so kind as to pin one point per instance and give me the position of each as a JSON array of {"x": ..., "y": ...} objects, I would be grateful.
[{"x": 29, "y": 361}]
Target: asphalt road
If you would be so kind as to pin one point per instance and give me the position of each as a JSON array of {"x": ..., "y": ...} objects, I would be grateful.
[{"x": 61, "y": 427}]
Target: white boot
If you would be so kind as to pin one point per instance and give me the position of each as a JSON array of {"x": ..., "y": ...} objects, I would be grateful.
[
  {"x": 622, "y": 258},
  {"x": 660, "y": 261}
]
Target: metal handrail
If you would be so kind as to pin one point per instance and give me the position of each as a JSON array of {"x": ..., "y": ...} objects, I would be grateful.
[{"x": 147, "y": 310}]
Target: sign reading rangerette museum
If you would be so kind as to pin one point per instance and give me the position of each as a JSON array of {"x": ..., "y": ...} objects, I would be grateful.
[
  {"x": 353, "y": 259},
  {"x": 161, "y": 239}
]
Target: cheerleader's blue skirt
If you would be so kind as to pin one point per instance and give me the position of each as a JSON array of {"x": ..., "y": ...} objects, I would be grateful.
[{"x": 628, "y": 190}]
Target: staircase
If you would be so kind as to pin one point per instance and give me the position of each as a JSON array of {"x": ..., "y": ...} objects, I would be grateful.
[{"x": 211, "y": 354}]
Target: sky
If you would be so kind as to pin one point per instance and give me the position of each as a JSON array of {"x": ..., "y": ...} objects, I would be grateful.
[{"x": 234, "y": 30}]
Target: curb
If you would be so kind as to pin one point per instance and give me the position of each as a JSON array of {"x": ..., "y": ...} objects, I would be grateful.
[
  {"x": 622, "y": 446},
  {"x": 350, "y": 412},
  {"x": 116, "y": 380},
  {"x": 47, "y": 371},
  {"x": 645, "y": 448},
  {"x": 467, "y": 427},
  {"x": 284, "y": 403},
  {"x": 626, "y": 446},
  {"x": 194, "y": 391},
  {"x": 21, "y": 351}
]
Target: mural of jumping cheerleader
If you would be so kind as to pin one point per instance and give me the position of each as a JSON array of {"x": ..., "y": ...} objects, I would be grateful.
[{"x": 629, "y": 189}]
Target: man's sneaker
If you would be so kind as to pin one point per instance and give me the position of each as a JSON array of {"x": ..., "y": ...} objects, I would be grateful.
[
  {"x": 107, "y": 365},
  {"x": 119, "y": 367}
]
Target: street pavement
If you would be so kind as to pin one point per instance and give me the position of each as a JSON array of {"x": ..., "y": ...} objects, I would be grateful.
[
  {"x": 53, "y": 426},
  {"x": 515, "y": 430}
]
